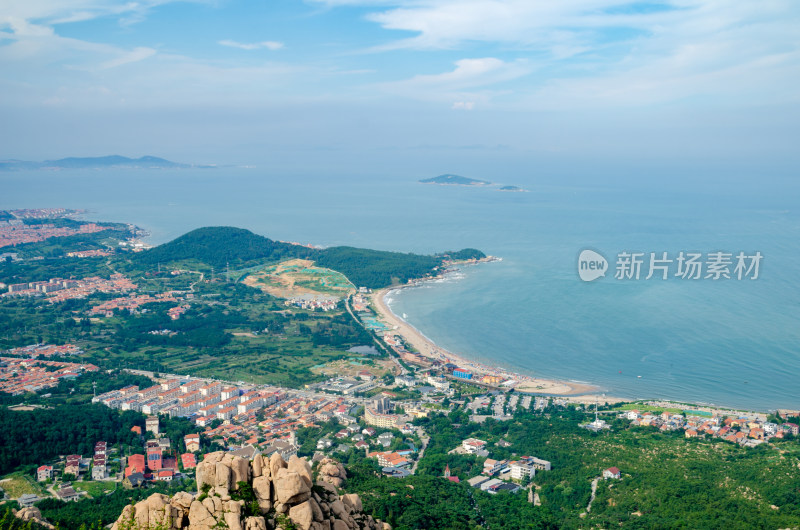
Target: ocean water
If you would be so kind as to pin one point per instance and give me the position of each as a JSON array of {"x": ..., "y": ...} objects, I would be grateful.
[{"x": 728, "y": 342}]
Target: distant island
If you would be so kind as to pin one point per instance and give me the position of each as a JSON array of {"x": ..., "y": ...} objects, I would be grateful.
[
  {"x": 458, "y": 180},
  {"x": 455, "y": 180},
  {"x": 99, "y": 162}
]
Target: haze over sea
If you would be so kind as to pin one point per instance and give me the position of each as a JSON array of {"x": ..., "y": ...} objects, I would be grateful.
[{"x": 728, "y": 342}]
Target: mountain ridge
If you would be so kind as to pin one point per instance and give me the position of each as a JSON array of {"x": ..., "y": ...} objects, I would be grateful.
[{"x": 97, "y": 162}]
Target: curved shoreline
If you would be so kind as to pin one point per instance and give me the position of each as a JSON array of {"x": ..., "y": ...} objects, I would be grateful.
[{"x": 574, "y": 391}]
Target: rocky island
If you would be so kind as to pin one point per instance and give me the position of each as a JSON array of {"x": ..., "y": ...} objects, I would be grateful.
[{"x": 455, "y": 180}]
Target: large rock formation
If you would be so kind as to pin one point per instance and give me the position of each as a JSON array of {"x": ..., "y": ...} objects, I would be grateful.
[
  {"x": 332, "y": 471},
  {"x": 240, "y": 494},
  {"x": 32, "y": 513}
]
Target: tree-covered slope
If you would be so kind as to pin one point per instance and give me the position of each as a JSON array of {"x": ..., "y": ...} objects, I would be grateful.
[{"x": 220, "y": 246}]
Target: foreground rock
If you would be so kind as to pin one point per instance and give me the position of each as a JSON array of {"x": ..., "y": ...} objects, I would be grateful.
[
  {"x": 32, "y": 513},
  {"x": 240, "y": 494}
]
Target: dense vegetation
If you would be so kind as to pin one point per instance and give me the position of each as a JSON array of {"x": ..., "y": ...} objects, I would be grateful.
[
  {"x": 421, "y": 502},
  {"x": 375, "y": 269},
  {"x": 34, "y": 437},
  {"x": 668, "y": 481},
  {"x": 8, "y": 521},
  {"x": 53, "y": 267},
  {"x": 99, "y": 512},
  {"x": 220, "y": 247},
  {"x": 30, "y": 438}
]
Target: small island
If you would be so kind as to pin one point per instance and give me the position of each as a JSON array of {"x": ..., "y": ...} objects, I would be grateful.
[{"x": 455, "y": 180}]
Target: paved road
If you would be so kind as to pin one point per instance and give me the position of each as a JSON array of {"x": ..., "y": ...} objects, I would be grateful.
[{"x": 403, "y": 371}]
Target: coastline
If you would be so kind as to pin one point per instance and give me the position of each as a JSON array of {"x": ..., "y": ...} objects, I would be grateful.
[{"x": 574, "y": 391}]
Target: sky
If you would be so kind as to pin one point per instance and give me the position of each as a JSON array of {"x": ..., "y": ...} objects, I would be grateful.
[{"x": 423, "y": 86}]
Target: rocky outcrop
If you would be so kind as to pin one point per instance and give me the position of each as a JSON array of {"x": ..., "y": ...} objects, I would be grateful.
[
  {"x": 32, "y": 513},
  {"x": 332, "y": 472},
  {"x": 240, "y": 494}
]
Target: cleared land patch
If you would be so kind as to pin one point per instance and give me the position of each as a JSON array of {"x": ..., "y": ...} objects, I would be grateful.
[{"x": 299, "y": 277}]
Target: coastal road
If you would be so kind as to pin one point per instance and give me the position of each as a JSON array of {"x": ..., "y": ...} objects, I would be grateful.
[{"x": 402, "y": 369}]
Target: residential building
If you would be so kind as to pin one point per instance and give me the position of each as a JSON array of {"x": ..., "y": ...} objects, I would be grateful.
[
  {"x": 67, "y": 494},
  {"x": 192, "y": 442},
  {"x": 282, "y": 447},
  {"x": 462, "y": 374},
  {"x": 521, "y": 470},
  {"x": 612, "y": 472},
  {"x": 134, "y": 480},
  {"x": 492, "y": 466},
  {"x": 152, "y": 422},
  {"x": 28, "y": 499},
  {"x": 188, "y": 461},
  {"x": 165, "y": 475},
  {"x": 476, "y": 482},
  {"x": 44, "y": 473},
  {"x": 73, "y": 465},
  {"x": 473, "y": 445},
  {"x": 248, "y": 452},
  {"x": 405, "y": 380},
  {"x": 539, "y": 464},
  {"x": 136, "y": 464},
  {"x": 373, "y": 417},
  {"x": 382, "y": 405}
]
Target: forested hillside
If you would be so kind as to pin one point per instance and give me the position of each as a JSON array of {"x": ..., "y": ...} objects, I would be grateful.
[
  {"x": 219, "y": 246},
  {"x": 223, "y": 246}
]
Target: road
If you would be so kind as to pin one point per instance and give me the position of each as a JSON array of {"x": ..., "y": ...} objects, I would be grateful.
[
  {"x": 594, "y": 492},
  {"x": 425, "y": 439},
  {"x": 392, "y": 355}
]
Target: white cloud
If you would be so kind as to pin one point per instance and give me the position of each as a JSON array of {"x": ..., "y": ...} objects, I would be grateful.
[
  {"x": 463, "y": 105},
  {"x": 269, "y": 45},
  {"x": 64, "y": 11},
  {"x": 611, "y": 51},
  {"x": 135, "y": 55},
  {"x": 468, "y": 73},
  {"x": 467, "y": 83}
]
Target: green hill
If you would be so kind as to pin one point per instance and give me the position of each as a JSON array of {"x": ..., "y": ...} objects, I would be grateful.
[{"x": 219, "y": 246}]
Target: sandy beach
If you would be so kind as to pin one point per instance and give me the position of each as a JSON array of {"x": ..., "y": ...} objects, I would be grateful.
[{"x": 429, "y": 349}]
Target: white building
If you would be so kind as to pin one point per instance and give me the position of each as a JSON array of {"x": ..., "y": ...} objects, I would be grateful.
[
  {"x": 473, "y": 445},
  {"x": 522, "y": 470}
]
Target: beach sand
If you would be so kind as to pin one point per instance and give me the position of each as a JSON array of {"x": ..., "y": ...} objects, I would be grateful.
[{"x": 429, "y": 349}]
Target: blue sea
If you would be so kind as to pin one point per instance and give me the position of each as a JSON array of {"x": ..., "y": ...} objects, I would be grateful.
[{"x": 728, "y": 342}]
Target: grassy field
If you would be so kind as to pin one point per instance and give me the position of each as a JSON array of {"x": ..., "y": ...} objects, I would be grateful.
[
  {"x": 641, "y": 407},
  {"x": 94, "y": 488},
  {"x": 18, "y": 484}
]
